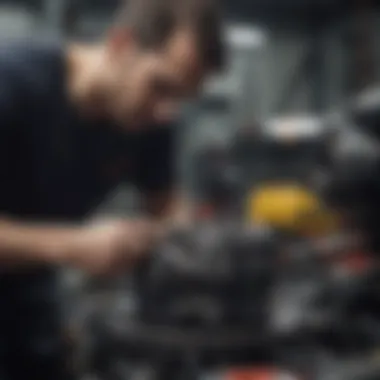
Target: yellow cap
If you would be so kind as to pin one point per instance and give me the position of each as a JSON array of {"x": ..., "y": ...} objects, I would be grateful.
[{"x": 289, "y": 207}]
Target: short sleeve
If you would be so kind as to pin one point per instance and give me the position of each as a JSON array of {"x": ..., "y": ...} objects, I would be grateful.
[
  {"x": 14, "y": 103},
  {"x": 12, "y": 107},
  {"x": 9, "y": 99},
  {"x": 156, "y": 166},
  {"x": 12, "y": 114}
]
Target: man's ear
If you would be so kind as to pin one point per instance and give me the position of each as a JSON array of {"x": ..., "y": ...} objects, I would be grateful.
[{"x": 118, "y": 42}]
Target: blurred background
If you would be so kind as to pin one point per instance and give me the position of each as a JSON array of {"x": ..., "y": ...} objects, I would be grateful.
[{"x": 296, "y": 68}]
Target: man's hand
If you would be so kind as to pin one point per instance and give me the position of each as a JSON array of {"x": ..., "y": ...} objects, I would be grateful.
[{"x": 112, "y": 246}]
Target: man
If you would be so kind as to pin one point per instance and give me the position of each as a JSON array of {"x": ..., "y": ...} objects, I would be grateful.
[{"x": 74, "y": 121}]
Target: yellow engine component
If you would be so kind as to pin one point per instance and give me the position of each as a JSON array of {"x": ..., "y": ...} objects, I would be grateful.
[{"x": 290, "y": 207}]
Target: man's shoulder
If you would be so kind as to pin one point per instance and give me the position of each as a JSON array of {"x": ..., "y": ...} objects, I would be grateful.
[
  {"x": 29, "y": 63},
  {"x": 31, "y": 50}
]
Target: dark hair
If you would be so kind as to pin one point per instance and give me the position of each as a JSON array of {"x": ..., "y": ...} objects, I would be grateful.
[{"x": 154, "y": 21}]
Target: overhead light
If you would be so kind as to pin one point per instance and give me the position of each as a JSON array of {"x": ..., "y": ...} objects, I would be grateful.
[
  {"x": 289, "y": 128},
  {"x": 245, "y": 36}
]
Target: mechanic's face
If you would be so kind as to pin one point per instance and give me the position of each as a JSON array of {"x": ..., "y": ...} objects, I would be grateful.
[{"x": 147, "y": 86}]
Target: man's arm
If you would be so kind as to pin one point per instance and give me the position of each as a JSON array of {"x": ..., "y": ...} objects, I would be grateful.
[{"x": 31, "y": 242}]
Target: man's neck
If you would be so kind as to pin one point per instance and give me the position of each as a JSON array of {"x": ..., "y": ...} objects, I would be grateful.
[{"x": 85, "y": 87}]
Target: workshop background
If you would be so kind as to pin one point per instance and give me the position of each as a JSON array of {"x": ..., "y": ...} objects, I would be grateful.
[{"x": 288, "y": 58}]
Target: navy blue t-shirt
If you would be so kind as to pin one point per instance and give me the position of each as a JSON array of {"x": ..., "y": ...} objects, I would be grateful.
[{"x": 54, "y": 163}]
